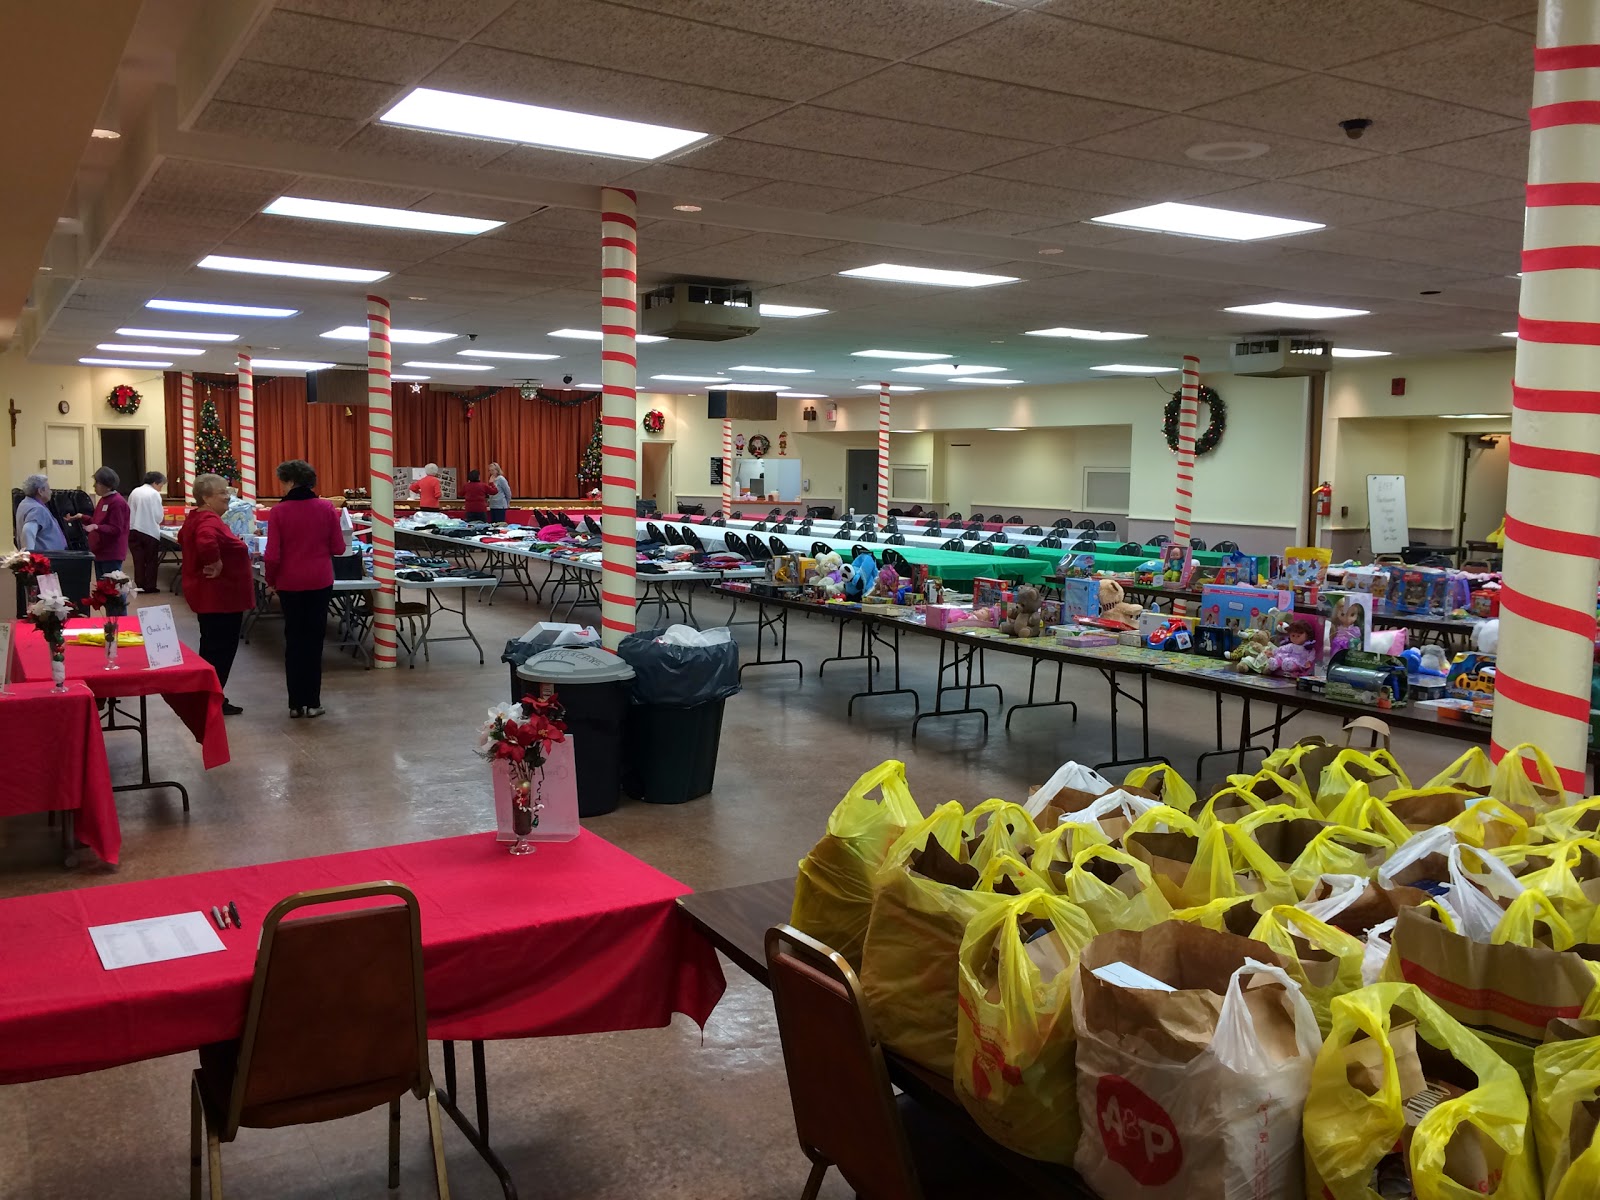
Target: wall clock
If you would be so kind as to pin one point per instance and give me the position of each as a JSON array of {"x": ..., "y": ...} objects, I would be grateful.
[{"x": 63, "y": 408}]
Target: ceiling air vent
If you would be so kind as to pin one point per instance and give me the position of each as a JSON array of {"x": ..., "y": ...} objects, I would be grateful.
[
  {"x": 1279, "y": 355},
  {"x": 700, "y": 312}
]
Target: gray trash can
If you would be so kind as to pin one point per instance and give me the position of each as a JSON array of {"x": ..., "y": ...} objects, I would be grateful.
[{"x": 595, "y": 687}]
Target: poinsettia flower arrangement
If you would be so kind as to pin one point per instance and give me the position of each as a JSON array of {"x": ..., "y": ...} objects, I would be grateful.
[
  {"x": 106, "y": 592},
  {"x": 48, "y": 614},
  {"x": 523, "y": 733},
  {"x": 26, "y": 562}
]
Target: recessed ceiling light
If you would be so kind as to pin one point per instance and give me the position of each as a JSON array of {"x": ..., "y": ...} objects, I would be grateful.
[
  {"x": 1474, "y": 416},
  {"x": 893, "y": 387},
  {"x": 416, "y": 297},
  {"x": 220, "y": 310},
  {"x": 1510, "y": 333},
  {"x": 530, "y": 124},
  {"x": 754, "y": 387},
  {"x": 594, "y": 335},
  {"x": 790, "y": 310},
  {"x": 1133, "y": 369},
  {"x": 805, "y": 395},
  {"x": 1347, "y": 352},
  {"x": 1308, "y": 312},
  {"x": 691, "y": 378},
  {"x": 1226, "y": 151},
  {"x": 987, "y": 379},
  {"x": 685, "y": 208},
  {"x": 290, "y": 270},
  {"x": 410, "y": 378},
  {"x": 180, "y": 334},
  {"x": 1196, "y": 220},
  {"x": 105, "y": 135},
  {"x": 1085, "y": 335},
  {"x": 291, "y": 364},
  {"x": 1005, "y": 429},
  {"x": 1051, "y": 250},
  {"x": 123, "y": 362},
  {"x": 128, "y": 348},
  {"x": 449, "y": 366},
  {"x": 586, "y": 387},
  {"x": 949, "y": 369},
  {"x": 908, "y": 355},
  {"x": 371, "y": 214},
  {"x": 895, "y": 273},
  {"x": 777, "y": 370},
  {"x": 905, "y": 431},
  {"x": 400, "y": 337},
  {"x": 522, "y": 354}
]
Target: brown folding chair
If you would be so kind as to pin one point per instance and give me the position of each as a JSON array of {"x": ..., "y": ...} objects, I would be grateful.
[{"x": 337, "y": 1025}]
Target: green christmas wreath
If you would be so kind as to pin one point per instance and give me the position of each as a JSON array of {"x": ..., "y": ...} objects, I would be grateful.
[
  {"x": 1208, "y": 438},
  {"x": 124, "y": 399}
]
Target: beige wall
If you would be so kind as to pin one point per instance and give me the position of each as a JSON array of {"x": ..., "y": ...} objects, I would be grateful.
[
  {"x": 1038, "y": 468},
  {"x": 37, "y": 390}
]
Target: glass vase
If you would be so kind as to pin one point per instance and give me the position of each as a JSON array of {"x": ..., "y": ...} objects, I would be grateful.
[
  {"x": 111, "y": 649},
  {"x": 58, "y": 668},
  {"x": 525, "y": 806}
]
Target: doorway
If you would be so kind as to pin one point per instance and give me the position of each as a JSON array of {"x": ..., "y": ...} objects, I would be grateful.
[
  {"x": 1483, "y": 484},
  {"x": 63, "y": 454},
  {"x": 655, "y": 474},
  {"x": 861, "y": 481},
  {"x": 123, "y": 451}
]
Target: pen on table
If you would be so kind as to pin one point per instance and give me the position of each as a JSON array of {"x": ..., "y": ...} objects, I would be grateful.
[
  {"x": 233, "y": 911},
  {"x": 216, "y": 915}
]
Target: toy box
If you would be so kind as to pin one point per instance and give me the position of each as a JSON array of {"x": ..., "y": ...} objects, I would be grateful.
[
  {"x": 1305, "y": 568},
  {"x": 1241, "y": 607},
  {"x": 1150, "y": 620},
  {"x": 955, "y": 616},
  {"x": 1214, "y": 641},
  {"x": 989, "y": 591},
  {"x": 1484, "y": 601},
  {"x": 1348, "y": 615},
  {"x": 1471, "y": 676},
  {"x": 1083, "y": 638},
  {"x": 1074, "y": 566},
  {"x": 1177, "y": 564},
  {"x": 1080, "y": 598},
  {"x": 1421, "y": 591},
  {"x": 1358, "y": 677}
]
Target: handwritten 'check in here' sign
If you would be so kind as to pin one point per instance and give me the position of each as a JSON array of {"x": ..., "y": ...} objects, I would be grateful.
[{"x": 161, "y": 645}]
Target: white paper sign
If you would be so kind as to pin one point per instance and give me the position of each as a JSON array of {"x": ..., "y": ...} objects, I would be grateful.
[
  {"x": 154, "y": 939},
  {"x": 161, "y": 645},
  {"x": 50, "y": 585},
  {"x": 5, "y": 654}
]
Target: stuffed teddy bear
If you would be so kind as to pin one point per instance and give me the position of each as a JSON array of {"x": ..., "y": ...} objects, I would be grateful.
[
  {"x": 1024, "y": 617},
  {"x": 1114, "y": 606},
  {"x": 1254, "y": 653},
  {"x": 826, "y": 574}
]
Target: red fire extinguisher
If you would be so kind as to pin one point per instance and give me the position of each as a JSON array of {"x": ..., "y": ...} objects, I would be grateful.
[{"x": 1323, "y": 495}]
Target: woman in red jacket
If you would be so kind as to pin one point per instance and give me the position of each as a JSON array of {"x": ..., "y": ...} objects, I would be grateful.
[
  {"x": 475, "y": 498},
  {"x": 108, "y": 531},
  {"x": 217, "y": 580},
  {"x": 428, "y": 489},
  {"x": 302, "y": 538}
]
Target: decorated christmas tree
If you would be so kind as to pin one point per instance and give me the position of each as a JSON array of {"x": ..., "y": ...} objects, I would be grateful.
[
  {"x": 212, "y": 453},
  {"x": 589, "y": 464}
]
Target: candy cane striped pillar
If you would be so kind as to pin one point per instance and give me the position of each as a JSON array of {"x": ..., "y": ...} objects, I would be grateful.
[
  {"x": 1547, "y": 606},
  {"x": 1188, "y": 419},
  {"x": 619, "y": 370},
  {"x": 380, "y": 480},
  {"x": 883, "y": 455},
  {"x": 186, "y": 385},
  {"x": 247, "y": 429},
  {"x": 727, "y": 468}
]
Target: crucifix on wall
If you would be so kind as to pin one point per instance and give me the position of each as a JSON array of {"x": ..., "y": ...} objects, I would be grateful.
[{"x": 15, "y": 413}]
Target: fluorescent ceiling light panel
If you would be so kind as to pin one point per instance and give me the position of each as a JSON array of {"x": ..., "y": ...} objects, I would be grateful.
[
  {"x": 907, "y": 431},
  {"x": 1304, "y": 312},
  {"x": 368, "y": 214},
  {"x": 418, "y": 337},
  {"x": 896, "y": 273},
  {"x": 290, "y": 364},
  {"x": 450, "y": 366},
  {"x": 1133, "y": 369},
  {"x": 179, "y": 334},
  {"x": 594, "y": 335},
  {"x": 1347, "y": 352},
  {"x": 1086, "y": 335},
  {"x": 123, "y": 362},
  {"x": 1196, "y": 220},
  {"x": 290, "y": 270},
  {"x": 950, "y": 369},
  {"x": 805, "y": 395},
  {"x": 893, "y": 387},
  {"x": 789, "y": 310},
  {"x": 532, "y": 125},
  {"x": 989, "y": 379},
  {"x": 755, "y": 387},
  {"x": 131, "y": 349},
  {"x": 409, "y": 378},
  {"x": 519, "y": 354},
  {"x": 691, "y": 378},
  {"x": 220, "y": 310},
  {"x": 1510, "y": 334},
  {"x": 1474, "y": 416},
  {"x": 777, "y": 370},
  {"x": 1005, "y": 429},
  {"x": 908, "y": 355}
]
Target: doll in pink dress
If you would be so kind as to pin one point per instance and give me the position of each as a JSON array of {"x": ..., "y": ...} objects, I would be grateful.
[
  {"x": 1298, "y": 655},
  {"x": 1346, "y": 623}
]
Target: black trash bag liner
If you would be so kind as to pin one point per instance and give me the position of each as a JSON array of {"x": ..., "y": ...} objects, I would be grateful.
[{"x": 679, "y": 676}]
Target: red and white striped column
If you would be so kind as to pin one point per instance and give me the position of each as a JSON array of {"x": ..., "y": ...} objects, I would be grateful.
[
  {"x": 1188, "y": 419},
  {"x": 883, "y": 455},
  {"x": 619, "y": 375},
  {"x": 186, "y": 387},
  {"x": 247, "y": 429},
  {"x": 727, "y": 467},
  {"x": 380, "y": 480},
  {"x": 1552, "y": 551}
]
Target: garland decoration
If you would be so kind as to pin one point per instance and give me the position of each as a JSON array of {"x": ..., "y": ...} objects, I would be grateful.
[
  {"x": 124, "y": 399},
  {"x": 655, "y": 421},
  {"x": 1206, "y": 441},
  {"x": 565, "y": 397}
]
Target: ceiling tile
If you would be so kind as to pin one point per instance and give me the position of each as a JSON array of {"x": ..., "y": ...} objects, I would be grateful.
[
  {"x": 663, "y": 47},
  {"x": 892, "y": 28},
  {"x": 1292, "y": 32},
  {"x": 832, "y": 131},
  {"x": 807, "y": 166},
  {"x": 1443, "y": 225},
  {"x": 984, "y": 191},
  {"x": 1412, "y": 182},
  {"x": 906, "y": 210},
  {"x": 1315, "y": 262},
  {"x": 806, "y": 197},
  {"x": 419, "y": 145},
  {"x": 1282, "y": 198},
  {"x": 1166, "y": 139},
  {"x": 989, "y": 220},
  {"x": 985, "y": 106},
  {"x": 1067, "y": 56},
  {"x": 784, "y": 243},
  {"x": 1365, "y": 244},
  {"x": 269, "y": 86},
  {"x": 292, "y": 39},
  {"x": 558, "y": 165},
  {"x": 725, "y": 263},
  {"x": 688, "y": 183},
  {"x": 1072, "y": 166},
  {"x": 455, "y": 19},
  {"x": 1504, "y": 210},
  {"x": 1489, "y": 10},
  {"x": 273, "y": 124},
  {"x": 1498, "y": 154},
  {"x": 678, "y": 233},
  {"x": 476, "y": 206},
  {"x": 352, "y": 191},
  {"x": 184, "y": 181},
  {"x": 1313, "y": 105},
  {"x": 1489, "y": 67}
]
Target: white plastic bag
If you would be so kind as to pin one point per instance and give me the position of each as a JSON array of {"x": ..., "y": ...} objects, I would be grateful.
[
  {"x": 1472, "y": 893},
  {"x": 1377, "y": 951},
  {"x": 687, "y": 635},
  {"x": 1439, "y": 840},
  {"x": 1117, "y": 801},
  {"x": 1343, "y": 891},
  {"x": 1068, "y": 775}
]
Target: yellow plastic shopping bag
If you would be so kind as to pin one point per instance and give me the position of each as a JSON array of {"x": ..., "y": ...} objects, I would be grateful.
[
  {"x": 1338, "y": 850},
  {"x": 1564, "y": 871},
  {"x": 1272, "y": 788},
  {"x": 833, "y": 890},
  {"x": 1231, "y": 803},
  {"x": 1477, "y": 820},
  {"x": 1361, "y": 1126},
  {"x": 1472, "y": 771},
  {"x": 1014, "y": 1041},
  {"x": 1528, "y": 915},
  {"x": 1231, "y": 914},
  {"x": 1566, "y": 1105},
  {"x": 998, "y": 827},
  {"x": 1324, "y": 961},
  {"x": 1569, "y": 820},
  {"x": 1376, "y": 768},
  {"x": 1010, "y": 876},
  {"x": 1114, "y": 888},
  {"x": 1529, "y": 792},
  {"x": 1229, "y": 862},
  {"x": 1163, "y": 783}
]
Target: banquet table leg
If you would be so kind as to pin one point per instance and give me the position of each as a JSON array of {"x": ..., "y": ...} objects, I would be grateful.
[
  {"x": 477, "y": 1135},
  {"x": 780, "y": 623},
  {"x": 1033, "y": 673},
  {"x": 143, "y": 726},
  {"x": 961, "y": 660},
  {"x": 874, "y": 632},
  {"x": 1142, "y": 702}
]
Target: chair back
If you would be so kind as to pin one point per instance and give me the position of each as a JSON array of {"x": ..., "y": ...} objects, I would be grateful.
[
  {"x": 1062, "y": 523},
  {"x": 1159, "y": 540},
  {"x": 1050, "y": 542},
  {"x": 735, "y": 543},
  {"x": 1130, "y": 548},
  {"x": 893, "y": 558},
  {"x": 1034, "y": 531},
  {"x": 818, "y": 549},
  {"x": 793, "y": 512},
  {"x": 336, "y": 1023},
  {"x": 981, "y": 548},
  {"x": 952, "y": 544},
  {"x": 653, "y": 531},
  {"x": 1086, "y": 523},
  {"x": 870, "y": 535},
  {"x": 1013, "y": 519},
  {"x": 591, "y": 524},
  {"x": 776, "y": 512},
  {"x": 1018, "y": 551},
  {"x": 1084, "y": 545},
  {"x": 971, "y": 533},
  {"x": 1226, "y": 547},
  {"x": 759, "y": 527},
  {"x": 1197, "y": 543},
  {"x": 674, "y": 538},
  {"x": 716, "y": 514},
  {"x": 778, "y": 545},
  {"x": 955, "y": 516},
  {"x": 857, "y": 551},
  {"x": 899, "y": 539},
  {"x": 999, "y": 535},
  {"x": 932, "y": 528},
  {"x": 976, "y": 518},
  {"x": 755, "y": 549},
  {"x": 844, "y": 1108},
  {"x": 1107, "y": 527}
]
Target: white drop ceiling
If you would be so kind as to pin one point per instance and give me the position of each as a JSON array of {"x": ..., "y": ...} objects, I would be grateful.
[{"x": 962, "y": 134}]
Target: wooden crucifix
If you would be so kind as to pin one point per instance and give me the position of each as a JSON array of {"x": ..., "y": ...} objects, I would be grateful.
[{"x": 15, "y": 413}]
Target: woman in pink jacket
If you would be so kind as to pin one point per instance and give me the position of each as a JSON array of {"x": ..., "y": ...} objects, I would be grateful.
[{"x": 303, "y": 535}]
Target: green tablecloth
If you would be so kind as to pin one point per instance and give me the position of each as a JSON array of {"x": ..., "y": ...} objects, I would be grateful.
[
  {"x": 957, "y": 566},
  {"x": 1108, "y": 551}
]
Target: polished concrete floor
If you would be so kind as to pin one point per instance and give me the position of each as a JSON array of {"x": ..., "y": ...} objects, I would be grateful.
[{"x": 669, "y": 1112}]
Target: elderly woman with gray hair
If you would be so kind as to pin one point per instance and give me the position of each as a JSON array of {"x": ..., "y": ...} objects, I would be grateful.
[
  {"x": 37, "y": 527},
  {"x": 428, "y": 489}
]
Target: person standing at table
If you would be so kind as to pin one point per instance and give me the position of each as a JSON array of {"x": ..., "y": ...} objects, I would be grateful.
[
  {"x": 217, "y": 580},
  {"x": 500, "y": 498},
  {"x": 428, "y": 489},
  {"x": 475, "y": 496},
  {"x": 108, "y": 532},
  {"x": 37, "y": 527},
  {"x": 302, "y": 538},
  {"x": 144, "y": 530}
]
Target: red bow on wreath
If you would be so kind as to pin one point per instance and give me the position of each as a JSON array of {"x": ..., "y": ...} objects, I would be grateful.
[{"x": 124, "y": 399}]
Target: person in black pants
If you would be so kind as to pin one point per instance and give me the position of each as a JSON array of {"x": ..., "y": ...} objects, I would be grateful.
[
  {"x": 303, "y": 536},
  {"x": 218, "y": 583}
]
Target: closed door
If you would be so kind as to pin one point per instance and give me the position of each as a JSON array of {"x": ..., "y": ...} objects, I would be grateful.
[
  {"x": 655, "y": 474},
  {"x": 63, "y": 446},
  {"x": 861, "y": 480},
  {"x": 123, "y": 451}
]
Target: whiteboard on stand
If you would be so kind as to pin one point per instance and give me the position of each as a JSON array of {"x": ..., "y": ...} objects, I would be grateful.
[{"x": 1387, "y": 524}]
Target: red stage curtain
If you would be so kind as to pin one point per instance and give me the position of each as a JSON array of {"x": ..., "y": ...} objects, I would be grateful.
[{"x": 538, "y": 445}]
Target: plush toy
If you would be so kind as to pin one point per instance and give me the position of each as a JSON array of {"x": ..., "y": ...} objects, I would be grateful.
[
  {"x": 1024, "y": 617},
  {"x": 863, "y": 576},
  {"x": 1253, "y": 655},
  {"x": 1114, "y": 605},
  {"x": 1486, "y": 637},
  {"x": 826, "y": 574},
  {"x": 1391, "y": 641},
  {"x": 1298, "y": 655},
  {"x": 888, "y": 584}
]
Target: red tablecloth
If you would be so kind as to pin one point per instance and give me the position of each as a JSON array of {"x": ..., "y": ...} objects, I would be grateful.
[
  {"x": 580, "y": 937},
  {"x": 55, "y": 758},
  {"x": 190, "y": 689}
]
